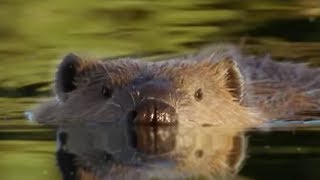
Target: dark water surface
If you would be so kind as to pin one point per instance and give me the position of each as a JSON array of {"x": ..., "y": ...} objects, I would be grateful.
[{"x": 35, "y": 34}]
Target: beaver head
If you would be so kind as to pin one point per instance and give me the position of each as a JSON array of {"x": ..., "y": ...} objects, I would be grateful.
[{"x": 183, "y": 116}]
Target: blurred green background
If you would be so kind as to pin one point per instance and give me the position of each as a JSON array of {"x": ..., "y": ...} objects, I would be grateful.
[{"x": 35, "y": 34}]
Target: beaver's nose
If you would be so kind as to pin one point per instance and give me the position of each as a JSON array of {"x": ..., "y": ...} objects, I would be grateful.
[
  {"x": 153, "y": 127},
  {"x": 151, "y": 112}
]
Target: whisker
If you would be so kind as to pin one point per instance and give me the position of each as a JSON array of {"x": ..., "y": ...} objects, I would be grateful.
[
  {"x": 133, "y": 100},
  {"x": 114, "y": 104},
  {"x": 171, "y": 99},
  {"x": 106, "y": 71}
]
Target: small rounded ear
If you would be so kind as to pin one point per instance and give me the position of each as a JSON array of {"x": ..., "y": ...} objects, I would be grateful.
[
  {"x": 237, "y": 152},
  {"x": 231, "y": 76},
  {"x": 66, "y": 73}
]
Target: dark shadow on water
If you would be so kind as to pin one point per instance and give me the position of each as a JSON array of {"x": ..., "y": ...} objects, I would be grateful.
[
  {"x": 298, "y": 30},
  {"x": 290, "y": 154},
  {"x": 25, "y": 91}
]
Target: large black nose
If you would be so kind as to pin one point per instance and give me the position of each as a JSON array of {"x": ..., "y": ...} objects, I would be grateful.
[
  {"x": 153, "y": 112},
  {"x": 153, "y": 129}
]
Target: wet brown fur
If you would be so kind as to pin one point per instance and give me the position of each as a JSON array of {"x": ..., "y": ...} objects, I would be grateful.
[{"x": 239, "y": 92}]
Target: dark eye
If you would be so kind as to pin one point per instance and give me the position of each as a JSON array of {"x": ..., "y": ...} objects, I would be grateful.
[
  {"x": 106, "y": 92},
  {"x": 198, "y": 95}
]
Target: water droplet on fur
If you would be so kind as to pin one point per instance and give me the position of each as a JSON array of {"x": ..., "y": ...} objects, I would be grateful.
[{"x": 29, "y": 115}]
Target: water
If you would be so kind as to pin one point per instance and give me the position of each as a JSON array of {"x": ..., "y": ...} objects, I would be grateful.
[{"x": 35, "y": 34}]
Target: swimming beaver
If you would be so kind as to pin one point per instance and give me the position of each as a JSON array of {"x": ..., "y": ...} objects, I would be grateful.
[{"x": 177, "y": 118}]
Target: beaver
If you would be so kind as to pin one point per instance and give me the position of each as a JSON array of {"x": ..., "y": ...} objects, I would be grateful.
[{"x": 176, "y": 118}]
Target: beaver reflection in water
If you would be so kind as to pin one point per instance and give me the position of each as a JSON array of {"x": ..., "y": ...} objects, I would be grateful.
[{"x": 171, "y": 119}]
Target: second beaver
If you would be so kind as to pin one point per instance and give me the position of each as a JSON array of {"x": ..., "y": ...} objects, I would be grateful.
[{"x": 180, "y": 117}]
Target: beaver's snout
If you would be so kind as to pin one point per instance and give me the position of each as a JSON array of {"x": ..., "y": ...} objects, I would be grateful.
[
  {"x": 152, "y": 112},
  {"x": 153, "y": 127}
]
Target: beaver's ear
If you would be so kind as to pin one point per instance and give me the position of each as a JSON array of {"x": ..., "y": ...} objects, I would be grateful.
[
  {"x": 230, "y": 76},
  {"x": 71, "y": 69},
  {"x": 66, "y": 73},
  {"x": 237, "y": 153}
]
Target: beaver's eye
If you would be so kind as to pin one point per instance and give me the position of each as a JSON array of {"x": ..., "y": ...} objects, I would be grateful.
[
  {"x": 106, "y": 92},
  {"x": 198, "y": 95}
]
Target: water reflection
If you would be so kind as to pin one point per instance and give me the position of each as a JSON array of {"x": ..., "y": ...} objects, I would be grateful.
[{"x": 106, "y": 151}]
